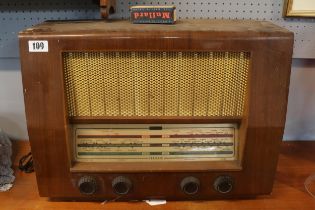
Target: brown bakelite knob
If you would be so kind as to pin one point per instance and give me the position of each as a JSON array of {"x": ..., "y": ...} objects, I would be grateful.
[
  {"x": 121, "y": 185},
  {"x": 223, "y": 184},
  {"x": 87, "y": 185},
  {"x": 190, "y": 185}
]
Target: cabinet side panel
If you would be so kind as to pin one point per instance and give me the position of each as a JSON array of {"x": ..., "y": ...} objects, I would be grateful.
[{"x": 46, "y": 116}]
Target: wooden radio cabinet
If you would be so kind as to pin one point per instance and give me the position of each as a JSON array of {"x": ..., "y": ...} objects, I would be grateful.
[{"x": 189, "y": 111}]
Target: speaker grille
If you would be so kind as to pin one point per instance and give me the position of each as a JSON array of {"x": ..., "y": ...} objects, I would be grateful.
[{"x": 156, "y": 83}]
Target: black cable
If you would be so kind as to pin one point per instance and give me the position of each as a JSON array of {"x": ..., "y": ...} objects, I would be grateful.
[{"x": 26, "y": 163}]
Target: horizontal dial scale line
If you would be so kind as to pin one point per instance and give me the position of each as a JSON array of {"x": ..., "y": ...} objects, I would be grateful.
[
  {"x": 157, "y": 145},
  {"x": 154, "y": 153},
  {"x": 160, "y": 136}
]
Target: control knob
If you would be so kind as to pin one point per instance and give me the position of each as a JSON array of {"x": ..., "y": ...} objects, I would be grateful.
[
  {"x": 121, "y": 185},
  {"x": 87, "y": 185},
  {"x": 223, "y": 184},
  {"x": 190, "y": 185}
]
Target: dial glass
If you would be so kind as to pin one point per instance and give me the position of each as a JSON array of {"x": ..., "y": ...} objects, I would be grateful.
[{"x": 116, "y": 143}]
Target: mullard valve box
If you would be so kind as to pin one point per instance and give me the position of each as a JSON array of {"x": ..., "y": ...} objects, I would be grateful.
[{"x": 189, "y": 111}]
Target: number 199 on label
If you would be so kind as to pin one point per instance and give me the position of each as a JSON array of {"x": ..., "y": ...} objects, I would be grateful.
[{"x": 38, "y": 46}]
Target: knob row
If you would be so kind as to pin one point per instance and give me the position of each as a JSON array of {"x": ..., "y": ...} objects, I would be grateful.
[
  {"x": 88, "y": 185},
  {"x": 222, "y": 184},
  {"x": 122, "y": 185}
]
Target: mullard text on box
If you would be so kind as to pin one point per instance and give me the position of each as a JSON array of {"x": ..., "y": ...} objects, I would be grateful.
[{"x": 153, "y": 14}]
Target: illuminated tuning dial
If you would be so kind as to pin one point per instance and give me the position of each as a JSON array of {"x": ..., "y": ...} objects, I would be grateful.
[{"x": 87, "y": 185}]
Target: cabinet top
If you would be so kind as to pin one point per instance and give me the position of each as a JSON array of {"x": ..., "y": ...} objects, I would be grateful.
[{"x": 243, "y": 28}]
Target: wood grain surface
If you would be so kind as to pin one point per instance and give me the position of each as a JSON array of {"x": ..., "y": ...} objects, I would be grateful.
[
  {"x": 261, "y": 127},
  {"x": 296, "y": 163}
]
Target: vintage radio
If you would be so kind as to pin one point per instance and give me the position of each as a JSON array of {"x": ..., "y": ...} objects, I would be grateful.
[{"x": 118, "y": 111}]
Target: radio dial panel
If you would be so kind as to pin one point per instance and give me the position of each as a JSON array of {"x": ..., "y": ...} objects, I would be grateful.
[{"x": 171, "y": 142}]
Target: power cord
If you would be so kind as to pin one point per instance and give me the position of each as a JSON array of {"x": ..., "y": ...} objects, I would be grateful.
[{"x": 26, "y": 163}]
